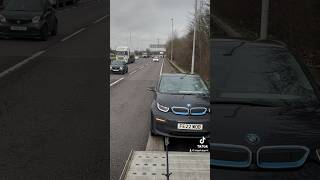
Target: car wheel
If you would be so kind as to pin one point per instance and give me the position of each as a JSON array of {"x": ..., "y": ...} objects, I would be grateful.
[
  {"x": 54, "y": 31},
  {"x": 44, "y": 33}
]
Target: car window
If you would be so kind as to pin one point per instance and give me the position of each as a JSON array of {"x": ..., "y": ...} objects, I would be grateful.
[
  {"x": 23, "y": 5},
  {"x": 252, "y": 72},
  {"x": 115, "y": 62},
  {"x": 182, "y": 85}
]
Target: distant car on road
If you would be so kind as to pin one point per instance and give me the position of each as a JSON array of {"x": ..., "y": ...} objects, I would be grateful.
[
  {"x": 266, "y": 107},
  {"x": 180, "y": 107},
  {"x": 119, "y": 66},
  {"x": 131, "y": 59},
  {"x": 155, "y": 59},
  {"x": 21, "y": 18},
  {"x": 144, "y": 55}
]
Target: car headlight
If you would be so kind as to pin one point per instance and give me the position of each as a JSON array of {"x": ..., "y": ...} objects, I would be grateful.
[
  {"x": 36, "y": 19},
  {"x": 110, "y": 67},
  {"x": 162, "y": 108},
  {"x": 2, "y": 19},
  {"x": 121, "y": 68},
  {"x": 318, "y": 153}
]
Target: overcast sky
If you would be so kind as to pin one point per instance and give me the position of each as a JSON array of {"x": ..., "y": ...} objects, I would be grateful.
[{"x": 147, "y": 20}]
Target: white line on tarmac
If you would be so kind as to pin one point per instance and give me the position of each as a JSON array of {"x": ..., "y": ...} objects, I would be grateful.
[
  {"x": 73, "y": 34},
  {"x": 114, "y": 83},
  {"x": 13, "y": 68},
  {"x": 133, "y": 72},
  {"x": 100, "y": 19},
  {"x": 161, "y": 67}
]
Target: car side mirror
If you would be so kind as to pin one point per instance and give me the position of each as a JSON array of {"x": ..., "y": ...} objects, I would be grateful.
[{"x": 151, "y": 89}]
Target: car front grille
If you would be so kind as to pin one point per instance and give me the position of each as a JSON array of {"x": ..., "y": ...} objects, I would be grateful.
[
  {"x": 195, "y": 111},
  {"x": 267, "y": 157},
  {"x": 180, "y": 110},
  {"x": 278, "y": 157},
  {"x": 198, "y": 111},
  {"x": 226, "y": 155},
  {"x": 19, "y": 21}
]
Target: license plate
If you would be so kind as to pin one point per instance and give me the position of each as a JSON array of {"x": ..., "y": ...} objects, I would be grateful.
[
  {"x": 190, "y": 126},
  {"x": 115, "y": 69},
  {"x": 18, "y": 28}
]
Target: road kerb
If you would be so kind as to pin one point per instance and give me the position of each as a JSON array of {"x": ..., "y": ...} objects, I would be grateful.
[
  {"x": 155, "y": 143},
  {"x": 176, "y": 66}
]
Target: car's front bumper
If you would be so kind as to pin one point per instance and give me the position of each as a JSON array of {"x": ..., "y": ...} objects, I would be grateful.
[
  {"x": 116, "y": 70},
  {"x": 169, "y": 127},
  {"x": 32, "y": 30}
]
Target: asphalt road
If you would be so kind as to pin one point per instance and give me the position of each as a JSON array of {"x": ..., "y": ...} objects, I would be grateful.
[
  {"x": 130, "y": 111},
  {"x": 54, "y": 110}
]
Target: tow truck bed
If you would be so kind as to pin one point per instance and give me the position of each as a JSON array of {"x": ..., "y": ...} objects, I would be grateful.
[{"x": 151, "y": 165}]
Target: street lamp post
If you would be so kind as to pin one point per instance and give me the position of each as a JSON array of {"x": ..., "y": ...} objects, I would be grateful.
[
  {"x": 264, "y": 19},
  {"x": 171, "y": 38},
  {"x": 194, "y": 37}
]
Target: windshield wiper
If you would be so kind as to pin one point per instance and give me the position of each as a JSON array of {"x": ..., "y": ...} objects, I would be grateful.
[{"x": 248, "y": 103}]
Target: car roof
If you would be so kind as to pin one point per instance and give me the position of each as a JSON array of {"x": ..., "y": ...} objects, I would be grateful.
[{"x": 258, "y": 43}]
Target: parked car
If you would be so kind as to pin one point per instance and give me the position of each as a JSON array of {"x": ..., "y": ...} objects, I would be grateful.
[
  {"x": 266, "y": 107},
  {"x": 119, "y": 66},
  {"x": 180, "y": 107},
  {"x": 21, "y": 18}
]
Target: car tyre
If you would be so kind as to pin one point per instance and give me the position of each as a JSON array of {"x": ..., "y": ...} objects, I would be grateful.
[{"x": 44, "y": 33}]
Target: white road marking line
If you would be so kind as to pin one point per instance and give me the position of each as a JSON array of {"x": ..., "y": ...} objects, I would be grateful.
[
  {"x": 100, "y": 19},
  {"x": 73, "y": 34},
  {"x": 133, "y": 72},
  {"x": 161, "y": 67},
  {"x": 13, "y": 68},
  {"x": 112, "y": 84}
]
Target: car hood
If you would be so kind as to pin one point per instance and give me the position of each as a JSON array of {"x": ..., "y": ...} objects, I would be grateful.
[
  {"x": 231, "y": 124},
  {"x": 183, "y": 100},
  {"x": 116, "y": 66},
  {"x": 22, "y": 15}
]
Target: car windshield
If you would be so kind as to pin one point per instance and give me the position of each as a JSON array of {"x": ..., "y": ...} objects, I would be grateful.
[
  {"x": 185, "y": 84},
  {"x": 25, "y": 5},
  {"x": 259, "y": 74},
  {"x": 117, "y": 62}
]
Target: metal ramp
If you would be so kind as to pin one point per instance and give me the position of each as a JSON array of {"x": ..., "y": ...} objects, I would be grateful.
[{"x": 151, "y": 165}]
